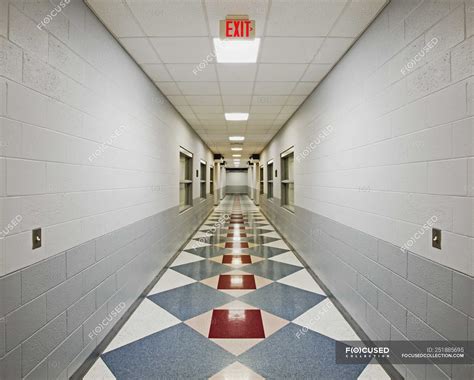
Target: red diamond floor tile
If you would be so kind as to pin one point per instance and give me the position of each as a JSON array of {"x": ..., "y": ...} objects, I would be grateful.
[
  {"x": 236, "y": 259},
  {"x": 236, "y": 281},
  {"x": 234, "y": 234},
  {"x": 236, "y": 324}
]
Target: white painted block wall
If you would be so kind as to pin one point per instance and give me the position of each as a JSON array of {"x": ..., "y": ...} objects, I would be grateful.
[
  {"x": 236, "y": 178},
  {"x": 64, "y": 90},
  {"x": 402, "y": 144}
]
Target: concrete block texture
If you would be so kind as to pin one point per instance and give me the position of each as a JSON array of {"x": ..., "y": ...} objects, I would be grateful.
[
  {"x": 101, "y": 246},
  {"x": 399, "y": 149},
  {"x": 55, "y": 329},
  {"x": 397, "y": 294}
]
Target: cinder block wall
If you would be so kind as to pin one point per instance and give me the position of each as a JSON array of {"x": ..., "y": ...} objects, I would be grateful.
[
  {"x": 388, "y": 146},
  {"x": 90, "y": 153}
]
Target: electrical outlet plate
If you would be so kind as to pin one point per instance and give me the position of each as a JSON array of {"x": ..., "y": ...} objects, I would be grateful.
[
  {"x": 436, "y": 238},
  {"x": 36, "y": 236}
]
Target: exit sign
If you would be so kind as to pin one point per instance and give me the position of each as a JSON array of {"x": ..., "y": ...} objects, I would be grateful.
[{"x": 237, "y": 27}]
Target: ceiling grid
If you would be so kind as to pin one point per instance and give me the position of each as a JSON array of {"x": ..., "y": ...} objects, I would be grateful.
[{"x": 299, "y": 45}]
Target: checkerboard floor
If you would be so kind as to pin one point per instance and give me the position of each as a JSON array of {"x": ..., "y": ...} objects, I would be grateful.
[{"x": 235, "y": 304}]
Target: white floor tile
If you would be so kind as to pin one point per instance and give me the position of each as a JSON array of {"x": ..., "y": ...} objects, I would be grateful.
[
  {"x": 373, "y": 372},
  {"x": 267, "y": 227},
  {"x": 325, "y": 319},
  {"x": 99, "y": 371},
  {"x": 200, "y": 234},
  {"x": 185, "y": 258},
  {"x": 148, "y": 319},
  {"x": 171, "y": 280},
  {"x": 303, "y": 280},
  {"x": 196, "y": 244},
  {"x": 287, "y": 258},
  {"x": 272, "y": 235},
  {"x": 278, "y": 244}
]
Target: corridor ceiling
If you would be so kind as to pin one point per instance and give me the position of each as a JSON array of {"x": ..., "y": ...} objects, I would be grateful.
[{"x": 301, "y": 40}]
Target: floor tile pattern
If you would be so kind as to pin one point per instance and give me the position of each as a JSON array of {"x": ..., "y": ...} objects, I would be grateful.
[{"x": 235, "y": 304}]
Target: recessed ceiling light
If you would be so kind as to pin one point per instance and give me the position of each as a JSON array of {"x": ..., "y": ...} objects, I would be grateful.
[
  {"x": 236, "y": 138},
  {"x": 236, "y": 155},
  {"x": 236, "y": 51},
  {"x": 236, "y": 148},
  {"x": 236, "y": 116}
]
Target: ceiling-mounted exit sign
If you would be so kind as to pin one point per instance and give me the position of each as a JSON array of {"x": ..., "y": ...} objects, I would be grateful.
[{"x": 237, "y": 27}]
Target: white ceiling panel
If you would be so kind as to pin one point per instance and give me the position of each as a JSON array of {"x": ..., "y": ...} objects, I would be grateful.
[
  {"x": 236, "y": 108},
  {"x": 296, "y": 50},
  {"x": 356, "y": 17},
  {"x": 207, "y": 100},
  {"x": 274, "y": 88},
  {"x": 280, "y": 72},
  {"x": 141, "y": 49},
  {"x": 244, "y": 72},
  {"x": 169, "y": 88},
  {"x": 178, "y": 100},
  {"x": 172, "y": 40},
  {"x": 199, "y": 88},
  {"x": 237, "y": 100},
  {"x": 210, "y": 116},
  {"x": 236, "y": 88},
  {"x": 332, "y": 50},
  {"x": 117, "y": 17},
  {"x": 169, "y": 17},
  {"x": 303, "y": 17},
  {"x": 295, "y": 100},
  {"x": 182, "y": 72},
  {"x": 208, "y": 110},
  {"x": 316, "y": 72},
  {"x": 157, "y": 72},
  {"x": 269, "y": 100},
  {"x": 304, "y": 88},
  {"x": 275, "y": 110},
  {"x": 182, "y": 49}
]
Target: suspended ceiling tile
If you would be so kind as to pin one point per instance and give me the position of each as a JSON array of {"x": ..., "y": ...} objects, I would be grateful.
[
  {"x": 182, "y": 49},
  {"x": 297, "y": 50},
  {"x": 141, "y": 49},
  {"x": 280, "y": 72}
]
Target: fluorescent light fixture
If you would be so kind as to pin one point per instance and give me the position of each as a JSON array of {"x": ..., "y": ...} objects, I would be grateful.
[
  {"x": 236, "y": 148},
  {"x": 236, "y": 155},
  {"x": 236, "y": 116},
  {"x": 236, "y": 51},
  {"x": 236, "y": 138}
]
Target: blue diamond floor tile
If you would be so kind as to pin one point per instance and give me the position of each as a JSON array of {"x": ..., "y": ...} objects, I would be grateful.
[
  {"x": 282, "y": 300},
  {"x": 312, "y": 356},
  {"x": 191, "y": 300},
  {"x": 210, "y": 251},
  {"x": 265, "y": 251},
  {"x": 200, "y": 270},
  {"x": 273, "y": 270},
  {"x": 265, "y": 239},
  {"x": 212, "y": 239},
  {"x": 178, "y": 352}
]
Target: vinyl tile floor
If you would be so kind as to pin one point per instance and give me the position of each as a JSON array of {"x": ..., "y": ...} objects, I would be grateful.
[{"x": 235, "y": 304}]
